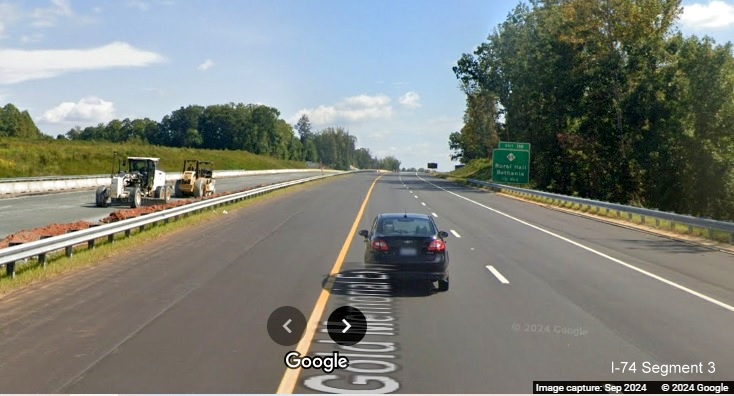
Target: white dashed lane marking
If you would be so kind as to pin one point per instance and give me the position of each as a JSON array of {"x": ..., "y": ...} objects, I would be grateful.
[{"x": 498, "y": 275}]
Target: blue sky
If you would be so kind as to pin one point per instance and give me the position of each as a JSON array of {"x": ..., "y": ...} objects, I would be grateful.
[{"x": 381, "y": 69}]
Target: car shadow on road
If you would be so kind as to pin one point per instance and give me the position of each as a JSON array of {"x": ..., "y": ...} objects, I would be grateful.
[{"x": 366, "y": 281}]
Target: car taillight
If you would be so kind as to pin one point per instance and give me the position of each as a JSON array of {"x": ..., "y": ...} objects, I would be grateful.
[
  {"x": 379, "y": 244},
  {"x": 437, "y": 246}
]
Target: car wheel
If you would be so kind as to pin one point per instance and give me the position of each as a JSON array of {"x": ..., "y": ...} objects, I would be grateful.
[{"x": 443, "y": 285}]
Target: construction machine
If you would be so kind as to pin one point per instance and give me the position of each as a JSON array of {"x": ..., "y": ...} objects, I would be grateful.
[
  {"x": 143, "y": 180},
  {"x": 197, "y": 179}
]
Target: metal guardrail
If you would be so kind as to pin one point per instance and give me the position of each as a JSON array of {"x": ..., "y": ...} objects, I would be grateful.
[
  {"x": 709, "y": 224},
  {"x": 10, "y": 255}
]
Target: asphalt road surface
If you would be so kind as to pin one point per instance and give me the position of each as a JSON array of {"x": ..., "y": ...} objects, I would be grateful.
[
  {"x": 535, "y": 295},
  {"x": 27, "y": 212}
]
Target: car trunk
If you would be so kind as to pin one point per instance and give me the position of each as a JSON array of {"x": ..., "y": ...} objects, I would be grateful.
[{"x": 408, "y": 248}]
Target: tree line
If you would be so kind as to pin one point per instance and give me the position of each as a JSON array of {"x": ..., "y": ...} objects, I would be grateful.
[
  {"x": 16, "y": 123},
  {"x": 617, "y": 104},
  {"x": 252, "y": 127}
]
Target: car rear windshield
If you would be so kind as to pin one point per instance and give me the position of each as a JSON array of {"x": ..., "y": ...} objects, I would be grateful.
[{"x": 405, "y": 226}]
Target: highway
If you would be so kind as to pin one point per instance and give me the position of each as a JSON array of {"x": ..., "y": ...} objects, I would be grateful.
[
  {"x": 535, "y": 295},
  {"x": 27, "y": 212}
]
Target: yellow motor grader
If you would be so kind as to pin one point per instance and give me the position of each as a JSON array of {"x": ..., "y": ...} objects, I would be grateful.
[{"x": 197, "y": 179}]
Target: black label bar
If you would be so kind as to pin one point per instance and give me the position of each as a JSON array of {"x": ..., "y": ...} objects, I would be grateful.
[{"x": 634, "y": 387}]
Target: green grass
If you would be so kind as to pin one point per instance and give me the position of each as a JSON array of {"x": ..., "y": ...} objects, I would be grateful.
[
  {"x": 480, "y": 169},
  {"x": 58, "y": 264},
  {"x": 26, "y": 157}
]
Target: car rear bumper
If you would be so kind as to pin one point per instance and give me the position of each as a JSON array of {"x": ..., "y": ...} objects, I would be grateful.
[{"x": 413, "y": 270}]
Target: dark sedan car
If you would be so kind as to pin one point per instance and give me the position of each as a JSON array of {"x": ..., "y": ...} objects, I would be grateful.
[{"x": 408, "y": 245}]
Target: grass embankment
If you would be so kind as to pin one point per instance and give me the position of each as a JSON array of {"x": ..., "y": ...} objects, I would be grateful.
[
  {"x": 24, "y": 157},
  {"x": 482, "y": 170}
]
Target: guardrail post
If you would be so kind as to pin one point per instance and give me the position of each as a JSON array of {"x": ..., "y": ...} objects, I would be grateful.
[
  {"x": 618, "y": 214},
  {"x": 731, "y": 237},
  {"x": 629, "y": 216},
  {"x": 657, "y": 222},
  {"x": 111, "y": 238},
  {"x": 69, "y": 250},
  {"x": 672, "y": 225},
  {"x": 10, "y": 267},
  {"x": 710, "y": 233},
  {"x": 690, "y": 229},
  {"x": 141, "y": 228},
  {"x": 127, "y": 233},
  {"x": 90, "y": 244},
  {"x": 10, "y": 270},
  {"x": 642, "y": 219},
  {"x": 42, "y": 256}
]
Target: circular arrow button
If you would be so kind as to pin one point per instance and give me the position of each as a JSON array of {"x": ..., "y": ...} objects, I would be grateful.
[
  {"x": 286, "y": 325},
  {"x": 347, "y": 325}
]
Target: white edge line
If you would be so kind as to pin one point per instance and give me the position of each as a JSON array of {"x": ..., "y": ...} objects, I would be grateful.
[
  {"x": 498, "y": 275},
  {"x": 423, "y": 203},
  {"x": 434, "y": 215},
  {"x": 416, "y": 197},
  {"x": 598, "y": 253},
  {"x": 456, "y": 234}
]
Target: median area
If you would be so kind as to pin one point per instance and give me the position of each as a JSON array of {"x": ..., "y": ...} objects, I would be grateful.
[{"x": 26, "y": 255}]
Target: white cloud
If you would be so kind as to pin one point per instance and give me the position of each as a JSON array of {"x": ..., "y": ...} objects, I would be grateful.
[
  {"x": 9, "y": 13},
  {"x": 206, "y": 65},
  {"x": 48, "y": 16},
  {"x": 23, "y": 65},
  {"x": 87, "y": 110},
  {"x": 139, "y": 4},
  {"x": 31, "y": 38},
  {"x": 410, "y": 99},
  {"x": 715, "y": 14},
  {"x": 351, "y": 109},
  {"x": 156, "y": 91}
]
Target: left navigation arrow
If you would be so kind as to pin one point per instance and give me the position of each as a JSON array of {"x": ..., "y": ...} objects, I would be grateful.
[{"x": 286, "y": 326}]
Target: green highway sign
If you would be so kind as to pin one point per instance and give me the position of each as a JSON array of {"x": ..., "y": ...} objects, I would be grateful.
[
  {"x": 511, "y": 166},
  {"x": 515, "y": 146}
]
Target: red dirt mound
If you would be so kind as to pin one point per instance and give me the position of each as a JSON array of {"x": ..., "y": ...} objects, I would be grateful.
[
  {"x": 123, "y": 214},
  {"x": 35, "y": 234}
]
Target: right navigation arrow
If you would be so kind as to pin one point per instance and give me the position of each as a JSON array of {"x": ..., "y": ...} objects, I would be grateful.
[{"x": 348, "y": 325}]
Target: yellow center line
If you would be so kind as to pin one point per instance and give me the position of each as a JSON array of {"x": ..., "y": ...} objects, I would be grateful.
[{"x": 290, "y": 378}]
